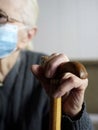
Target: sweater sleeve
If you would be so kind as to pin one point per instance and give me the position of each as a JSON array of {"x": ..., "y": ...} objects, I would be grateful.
[{"x": 81, "y": 122}]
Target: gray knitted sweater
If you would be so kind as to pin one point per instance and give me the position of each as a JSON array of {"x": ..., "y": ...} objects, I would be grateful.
[{"x": 24, "y": 104}]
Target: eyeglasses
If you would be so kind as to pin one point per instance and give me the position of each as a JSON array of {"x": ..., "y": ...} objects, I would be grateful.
[{"x": 4, "y": 18}]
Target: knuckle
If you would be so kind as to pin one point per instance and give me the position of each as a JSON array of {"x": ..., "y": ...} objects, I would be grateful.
[
  {"x": 72, "y": 80},
  {"x": 64, "y": 56}
]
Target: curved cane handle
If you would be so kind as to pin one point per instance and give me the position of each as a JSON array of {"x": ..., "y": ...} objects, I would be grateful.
[{"x": 73, "y": 67}]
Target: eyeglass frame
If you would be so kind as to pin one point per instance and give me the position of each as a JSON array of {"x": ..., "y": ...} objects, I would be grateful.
[{"x": 8, "y": 19}]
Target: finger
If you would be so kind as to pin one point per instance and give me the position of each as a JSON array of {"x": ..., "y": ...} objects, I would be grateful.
[
  {"x": 70, "y": 83},
  {"x": 53, "y": 63},
  {"x": 52, "y": 56},
  {"x": 46, "y": 59},
  {"x": 65, "y": 96},
  {"x": 37, "y": 70}
]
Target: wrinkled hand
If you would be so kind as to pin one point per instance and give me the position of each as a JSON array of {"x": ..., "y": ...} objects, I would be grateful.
[{"x": 70, "y": 87}]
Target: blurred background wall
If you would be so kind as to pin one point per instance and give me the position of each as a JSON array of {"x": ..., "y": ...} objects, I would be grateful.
[{"x": 68, "y": 26}]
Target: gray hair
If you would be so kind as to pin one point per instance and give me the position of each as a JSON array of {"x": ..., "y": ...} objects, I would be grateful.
[{"x": 29, "y": 12}]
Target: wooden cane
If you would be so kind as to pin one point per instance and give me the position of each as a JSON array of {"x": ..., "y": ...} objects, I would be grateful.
[{"x": 75, "y": 68}]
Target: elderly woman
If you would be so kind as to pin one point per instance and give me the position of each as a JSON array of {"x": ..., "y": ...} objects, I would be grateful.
[{"x": 24, "y": 105}]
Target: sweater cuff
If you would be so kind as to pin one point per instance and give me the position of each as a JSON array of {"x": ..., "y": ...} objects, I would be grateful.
[
  {"x": 81, "y": 121},
  {"x": 77, "y": 117}
]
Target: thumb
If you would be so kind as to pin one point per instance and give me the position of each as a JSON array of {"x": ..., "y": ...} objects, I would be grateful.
[{"x": 37, "y": 70}]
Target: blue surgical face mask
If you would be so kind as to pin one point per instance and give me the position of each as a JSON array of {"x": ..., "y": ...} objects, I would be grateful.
[{"x": 8, "y": 39}]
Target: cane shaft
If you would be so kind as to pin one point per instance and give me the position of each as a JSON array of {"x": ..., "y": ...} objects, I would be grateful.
[{"x": 55, "y": 114}]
